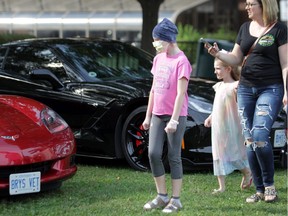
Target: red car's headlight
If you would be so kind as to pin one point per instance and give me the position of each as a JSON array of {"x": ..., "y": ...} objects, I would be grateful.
[{"x": 53, "y": 121}]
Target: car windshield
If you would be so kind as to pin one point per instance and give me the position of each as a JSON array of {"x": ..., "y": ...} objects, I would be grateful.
[{"x": 108, "y": 60}]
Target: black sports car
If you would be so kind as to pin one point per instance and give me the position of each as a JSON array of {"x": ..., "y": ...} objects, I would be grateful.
[{"x": 101, "y": 87}]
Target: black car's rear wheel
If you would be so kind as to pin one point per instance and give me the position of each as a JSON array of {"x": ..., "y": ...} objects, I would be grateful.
[{"x": 135, "y": 140}]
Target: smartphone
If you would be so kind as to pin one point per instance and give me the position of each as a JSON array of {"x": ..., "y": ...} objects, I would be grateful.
[{"x": 207, "y": 44}]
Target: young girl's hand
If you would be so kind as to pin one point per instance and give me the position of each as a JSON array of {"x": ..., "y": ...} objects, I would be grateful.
[
  {"x": 207, "y": 122},
  {"x": 171, "y": 126},
  {"x": 146, "y": 123}
]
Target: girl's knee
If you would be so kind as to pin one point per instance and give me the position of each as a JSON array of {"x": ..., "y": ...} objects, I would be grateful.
[{"x": 155, "y": 156}]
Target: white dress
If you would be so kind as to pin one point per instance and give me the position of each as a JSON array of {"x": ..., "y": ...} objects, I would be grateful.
[{"x": 228, "y": 149}]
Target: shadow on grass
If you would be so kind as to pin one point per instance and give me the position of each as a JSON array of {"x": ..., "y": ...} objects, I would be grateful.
[
  {"x": 26, "y": 198},
  {"x": 104, "y": 163}
]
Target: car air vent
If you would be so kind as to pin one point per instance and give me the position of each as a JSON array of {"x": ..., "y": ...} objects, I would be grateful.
[{"x": 42, "y": 167}]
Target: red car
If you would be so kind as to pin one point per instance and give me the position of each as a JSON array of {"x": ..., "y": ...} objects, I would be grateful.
[{"x": 37, "y": 147}]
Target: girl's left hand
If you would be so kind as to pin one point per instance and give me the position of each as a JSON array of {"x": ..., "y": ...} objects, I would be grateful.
[{"x": 171, "y": 126}]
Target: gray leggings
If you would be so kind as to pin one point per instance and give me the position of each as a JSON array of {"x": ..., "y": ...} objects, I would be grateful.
[{"x": 157, "y": 137}]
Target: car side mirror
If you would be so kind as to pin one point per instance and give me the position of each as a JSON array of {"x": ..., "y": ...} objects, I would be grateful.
[{"x": 46, "y": 75}]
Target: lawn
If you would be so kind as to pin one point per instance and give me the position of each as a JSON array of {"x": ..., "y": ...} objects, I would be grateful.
[{"x": 114, "y": 189}]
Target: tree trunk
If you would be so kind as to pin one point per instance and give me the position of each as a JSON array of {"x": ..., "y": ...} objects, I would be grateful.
[{"x": 150, "y": 13}]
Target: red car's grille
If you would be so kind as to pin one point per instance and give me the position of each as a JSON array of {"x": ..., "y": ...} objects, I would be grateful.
[{"x": 43, "y": 167}]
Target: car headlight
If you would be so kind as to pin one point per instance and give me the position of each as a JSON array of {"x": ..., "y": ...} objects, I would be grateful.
[
  {"x": 200, "y": 104},
  {"x": 53, "y": 122}
]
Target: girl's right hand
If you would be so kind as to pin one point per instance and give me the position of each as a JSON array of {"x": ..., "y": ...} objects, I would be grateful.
[{"x": 146, "y": 123}]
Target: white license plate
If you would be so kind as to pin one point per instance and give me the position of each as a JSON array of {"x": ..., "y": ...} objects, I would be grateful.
[
  {"x": 23, "y": 183},
  {"x": 279, "y": 138}
]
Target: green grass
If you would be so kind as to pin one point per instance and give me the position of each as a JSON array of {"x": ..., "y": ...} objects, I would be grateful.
[{"x": 115, "y": 189}]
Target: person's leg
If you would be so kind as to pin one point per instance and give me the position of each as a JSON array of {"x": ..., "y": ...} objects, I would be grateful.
[
  {"x": 221, "y": 182},
  {"x": 259, "y": 148},
  {"x": 160, "y": 183},
  {"x": 267, "y": 108},
  {"x": 174, "y": 155},
  {"x": 156, "y": 141},
  {"x": 175, "y": 162},
  {"x": 246, "y": 179},
  {"x": 247, "y": 98},
  {"x": 243, "y": 166}
]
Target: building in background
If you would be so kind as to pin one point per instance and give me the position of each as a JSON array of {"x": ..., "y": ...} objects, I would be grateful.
[{"x": 116, "y": 19}]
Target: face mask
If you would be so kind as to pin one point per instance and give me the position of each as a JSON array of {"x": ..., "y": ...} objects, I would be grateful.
[{"x": 158, "y": 45}]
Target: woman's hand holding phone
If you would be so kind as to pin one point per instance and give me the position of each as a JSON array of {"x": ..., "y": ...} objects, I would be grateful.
[
  {"x": 207, "y": 45},
  {"x": 212, "y": 50}
]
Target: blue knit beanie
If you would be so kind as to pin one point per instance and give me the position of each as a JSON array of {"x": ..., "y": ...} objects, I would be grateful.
[{"x": 166, "y": 31}]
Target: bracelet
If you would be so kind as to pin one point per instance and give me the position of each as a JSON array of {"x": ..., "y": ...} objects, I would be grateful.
[{"x": 174, "y": 121}]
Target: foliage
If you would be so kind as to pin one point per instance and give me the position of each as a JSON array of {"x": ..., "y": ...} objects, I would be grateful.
[
  {"x": 189, "y": 33},
  {"x": 5, "y": 38},
  {"x": 188, "y": 37},
  {"x": 117, "y": 190}
]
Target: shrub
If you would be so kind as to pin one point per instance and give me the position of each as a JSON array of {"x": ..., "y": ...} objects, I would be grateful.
[
  {"x": 5, "y": 38},
  {"x": 188, "y": 37}
]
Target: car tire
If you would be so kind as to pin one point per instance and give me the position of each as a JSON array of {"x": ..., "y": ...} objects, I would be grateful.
[{"x": 135, "y": 141}]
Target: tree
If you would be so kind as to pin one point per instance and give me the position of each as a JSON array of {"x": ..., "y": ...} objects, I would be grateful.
[{"x": 150, "y": 13}]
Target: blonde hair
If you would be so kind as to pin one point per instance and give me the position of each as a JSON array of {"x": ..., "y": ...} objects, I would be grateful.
[
  {"x": 270, "y": 11},
  {"x": 235, "y": 72}
]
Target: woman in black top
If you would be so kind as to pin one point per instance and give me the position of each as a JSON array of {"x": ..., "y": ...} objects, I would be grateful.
[{"x": 261, "y": 88}]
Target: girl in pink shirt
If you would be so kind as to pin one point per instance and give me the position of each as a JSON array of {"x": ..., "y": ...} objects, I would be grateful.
[{"x": 166, "y": 114}]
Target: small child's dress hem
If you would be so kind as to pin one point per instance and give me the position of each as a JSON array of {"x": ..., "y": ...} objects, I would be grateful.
[{"x": 222, "y": 168}]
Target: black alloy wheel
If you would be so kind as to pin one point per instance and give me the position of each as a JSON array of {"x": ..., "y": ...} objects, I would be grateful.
[{"x": 135, "y": 140}]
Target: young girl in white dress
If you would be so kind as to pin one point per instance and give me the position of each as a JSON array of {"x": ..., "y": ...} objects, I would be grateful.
[{"x": 228, "y": 149}]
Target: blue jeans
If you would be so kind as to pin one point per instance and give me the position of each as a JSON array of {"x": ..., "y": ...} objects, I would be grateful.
[{"x": 258, "y": 108}]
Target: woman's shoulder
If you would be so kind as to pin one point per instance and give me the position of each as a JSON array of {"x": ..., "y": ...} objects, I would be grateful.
[
  {"x": 281, "y": 25},
  {"x": 244, "y": 29}
]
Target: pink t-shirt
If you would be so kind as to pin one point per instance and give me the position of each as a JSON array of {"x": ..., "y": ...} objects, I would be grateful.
[{"x": 167, "y": 70}]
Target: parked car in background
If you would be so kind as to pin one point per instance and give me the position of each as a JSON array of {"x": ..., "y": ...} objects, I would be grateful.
[
  {"x": 101, "y": 87},
  {"x": 37, "y": 148}
]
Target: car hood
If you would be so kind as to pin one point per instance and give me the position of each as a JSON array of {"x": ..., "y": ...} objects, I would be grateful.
[
  {"x": 116, "y": 89},
  {"x": 130, "y": 89},
  {"x": 24, "y": 141}
]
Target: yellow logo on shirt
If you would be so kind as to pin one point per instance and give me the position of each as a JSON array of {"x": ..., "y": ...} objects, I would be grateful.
[{"x": 266, "y": 40}]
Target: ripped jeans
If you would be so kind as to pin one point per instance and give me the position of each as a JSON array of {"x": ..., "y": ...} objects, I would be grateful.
[{"x": 258, "y": 108}]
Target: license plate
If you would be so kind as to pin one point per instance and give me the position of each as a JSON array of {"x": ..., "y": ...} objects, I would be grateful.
[
  {"x": 23, "y": 183},
  {"x": 279, "y": 138}
]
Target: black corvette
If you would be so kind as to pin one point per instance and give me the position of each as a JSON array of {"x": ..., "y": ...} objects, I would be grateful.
[{"x": 101, "y": 87}]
